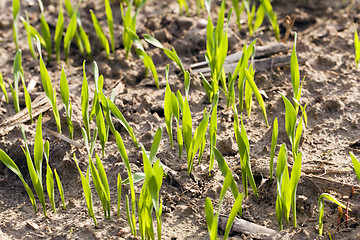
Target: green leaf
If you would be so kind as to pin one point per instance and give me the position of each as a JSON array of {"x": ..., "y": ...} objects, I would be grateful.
[
  {"x": 290, "y": 119},
  {"x": 357, "y": 48},
  {"x": 61, "y": 189},
  {"x": 59, "y": 32},
  {"x": 110, "y": 22},
  {"x": 38, "y": 148},
  {"x": 9, "y": 163},
  {"x": 87, "y": 192},
  {"x": 234, "y": 210},
  {"x": 27, "y": 95},
  {"x": 15, "y": 10},
  {"x": 168, "y": 112},
  {"x": 29, "y": 35},
  {"x": 274, "y": 139},
  {"x": 35, "y": 181},
  {"x": 45, "y": 30},
  {"x": 69, "y": 35},
  {"x": 50, "y": 185},
  {"x": 100, "y": 34},
  {"x": 209, "y": 213},
  {"x": 85, "y": 103},
  {"x": 294, "y": 68},
  {"x": 3, "y": 88},
  {"x": 48, "y": 88},
  {"x": 187, "y": 125},
  {"x": 224, "y": 168},
  {"x": 116, "y": 112},
  {"x": 257, "y": 94},
  {"x": 119, "y": 185},
  {"x": 356, "y": 165},
  {"x": 155, "y": 144},
  {"x": 17, "y": 73},
  {"x": 321, "y": 208}
]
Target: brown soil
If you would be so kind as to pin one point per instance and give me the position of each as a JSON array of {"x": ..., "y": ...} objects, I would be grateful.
[{"x": 331, "y": 92}]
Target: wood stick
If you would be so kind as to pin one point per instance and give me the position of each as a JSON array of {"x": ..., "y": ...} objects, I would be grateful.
[
  {"x": 324, "y": 184},
  {"x": 241, "y": 225},
  {"x": 63, "y": 137},
  {"x": 261, "y": 52},
  {"x": 260, "y": 65}
]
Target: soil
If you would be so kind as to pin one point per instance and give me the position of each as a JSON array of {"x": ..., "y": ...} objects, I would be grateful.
[{"x": 325, "y": 31}]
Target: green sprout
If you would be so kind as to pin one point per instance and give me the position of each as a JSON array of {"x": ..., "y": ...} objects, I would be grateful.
[
  {"x": 3, "y": 88},
  {"x": 149, "y": 195},
  {"x": 295, "y": 76},
  {"x": 119, "y": 186},
  {"x": 32, "y": 33},
  {"x": 216, "y": 51},
  {"x": 199, "y": 6},
  {"x": 64, "y": 92},
  {"x": 29, "y": 36},
  {"x": 45, "y": 30},
  {"x": 357, "y": 48},
  {"x": 85, "y": 103},
  {"x": 87, "y": 191},
  {"x": 265, "y": 8},
  {"x": 101, "y": 184},
  {"x": 172, "y": 54},
  {"x": 183, "y": 5},
  {"x": 171, "y": 108},
  {"x": 81, "y": 38},
  {"x": 129, "y": 23},
  {"x": 61, "y": 189},
  {"x": 356, "y": 165},
  {"x": 286, "y": 186},
  {"x": 211, "y": 220},
  {"x": 147, "y": 60},
  {"x": 321, "y": 208},
  {"x": 69, "y": 35},
  {"x": 48, "y": 88},
  {"x": 110, "y": 22},
  {"x": 9, "y": 163},
  {"x": 294, "y": 132},
  {"x": 15, "y": 10},
  {"x": 26, "y": 94},
  {"x": 100, "y": 34},
  {"x": 17, "y": 76},
  {"x": 124, "y": 156},
  {"x": 59, "y": 32},
  {"x": 238, "y": 10},
  {"x": 244, "y": 150},
  {"x": 274, "y": 139}
]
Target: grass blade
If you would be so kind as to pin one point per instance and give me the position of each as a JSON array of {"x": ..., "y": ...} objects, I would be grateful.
[
  {"x": 45, "y": 30},
  {"x": 15, "y": 11},
  {"x": 273, "y": 146},
  {"x": 27, "y": 95},
  {"x": 48, "y": 88},
  {"x": 61, "y": 189},
  {"x": 59, "y": 32},
  {"x": 87, "y": 192},
  {"x": 69, "y": 35},
  {"x": 64, "y": 92},
  {"x": 3, "y": 88},
  {"x": 119, "y": 185},
  {"x": 9, "y": 163},
  {"x": 110, "y": 22},
  {"x": 356, "y": 165},
  {"x": 85, "y": 103},
  {"x": 100, "y": 34},
  {"x": 16, "y": 73},
  {"x": 257, "y": 94}
]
